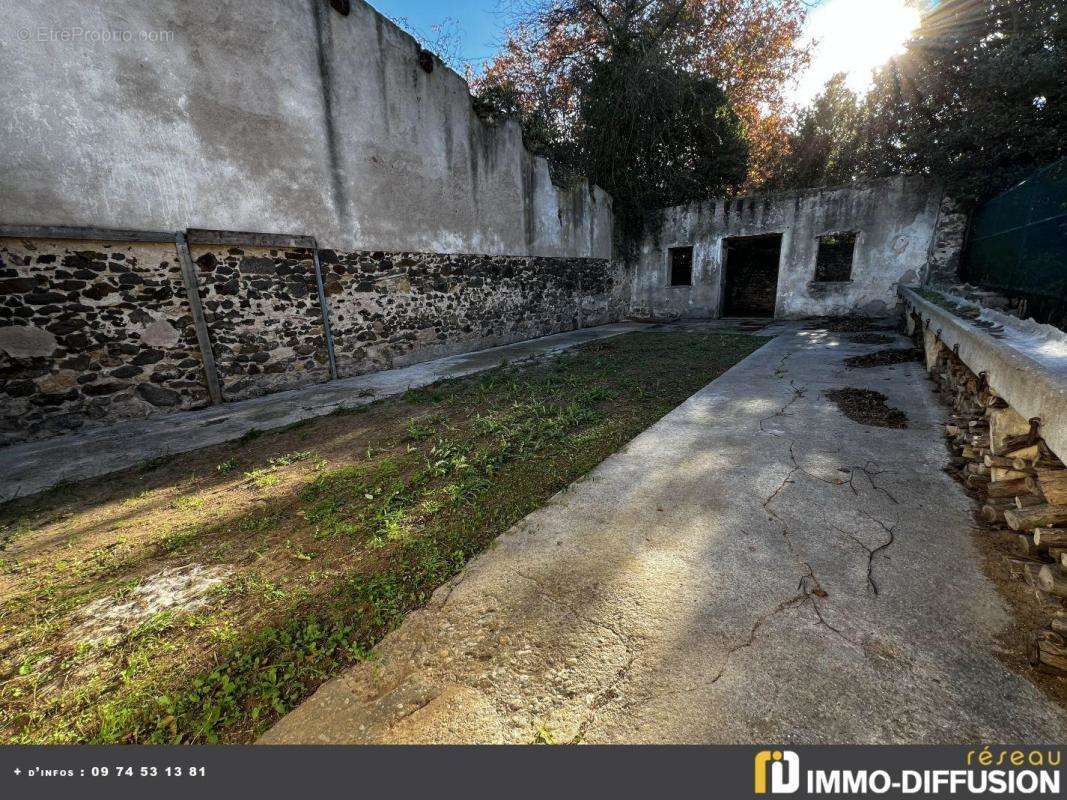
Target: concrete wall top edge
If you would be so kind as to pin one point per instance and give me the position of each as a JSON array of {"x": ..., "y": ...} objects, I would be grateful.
[
  {"x": 166, "y": 239},
  {"x": 1028, "y": 386},
  {"x": 802, "y": 194}
]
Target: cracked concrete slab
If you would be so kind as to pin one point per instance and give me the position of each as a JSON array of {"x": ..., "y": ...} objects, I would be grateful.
[
  {"x": 26, "y": 469},
  {"x": 754, "y": 567}
]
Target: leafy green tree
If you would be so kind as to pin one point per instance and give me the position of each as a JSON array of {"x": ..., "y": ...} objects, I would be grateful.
[
  {"x": 627, "y": 93},
  {"x": 654, "y": 136},
  {"x": 978, "y": 99},
  {"x": 825, "y": 147}
]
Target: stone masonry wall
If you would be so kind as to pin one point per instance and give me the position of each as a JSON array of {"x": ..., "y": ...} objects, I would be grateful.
[
  {"x": 390, "y": 309},
  {"x": 947, "y": 246},
  {"x": 92, "y": 332},
  {"x": 262, "y": 309}
]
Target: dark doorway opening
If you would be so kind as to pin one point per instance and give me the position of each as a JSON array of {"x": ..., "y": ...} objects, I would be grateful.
[{"x": 751, "y": 284}]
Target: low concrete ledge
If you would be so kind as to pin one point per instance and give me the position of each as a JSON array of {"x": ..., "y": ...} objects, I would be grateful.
[{"x": 1031, "y": 388}]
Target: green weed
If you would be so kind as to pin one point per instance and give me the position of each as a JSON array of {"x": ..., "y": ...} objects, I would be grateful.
[{"x": 231, "y": 464}]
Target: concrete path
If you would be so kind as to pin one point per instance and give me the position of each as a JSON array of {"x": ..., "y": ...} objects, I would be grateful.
[
  {"x": 755, "y": 567},
  {"x": 35, "y": 466}
]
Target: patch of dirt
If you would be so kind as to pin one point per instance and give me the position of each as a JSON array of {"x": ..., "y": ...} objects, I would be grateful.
[
  {"x": 871, "y": 338},
  {"x": 111, "y": 618},
  {"x": 751, "y": 326},
  {"x": 882, "y": 358},
  {"x": 1028, "y": 613},
  {"x": 867, "y": 407}
]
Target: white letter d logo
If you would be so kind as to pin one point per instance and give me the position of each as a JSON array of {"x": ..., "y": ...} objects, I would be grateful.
[{"x": 785, "y": 771}]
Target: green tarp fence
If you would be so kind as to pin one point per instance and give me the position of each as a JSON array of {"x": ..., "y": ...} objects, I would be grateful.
[{"x": 1018, "y": 243}]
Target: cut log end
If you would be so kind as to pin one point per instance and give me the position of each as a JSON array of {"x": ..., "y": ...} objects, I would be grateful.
[{"x": 1021, "y": 519}]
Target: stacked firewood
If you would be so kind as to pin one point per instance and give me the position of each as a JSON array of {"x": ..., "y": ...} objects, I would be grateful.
[{"x": 1002, "y": 459}]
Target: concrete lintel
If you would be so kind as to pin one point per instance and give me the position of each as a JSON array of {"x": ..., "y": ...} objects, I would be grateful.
[
  {"x": 248, "y": 238},
  {"x": 1026, "y": 385}
]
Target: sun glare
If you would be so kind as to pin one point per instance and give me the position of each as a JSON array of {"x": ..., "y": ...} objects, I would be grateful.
[{"x": 854, "y": 37}]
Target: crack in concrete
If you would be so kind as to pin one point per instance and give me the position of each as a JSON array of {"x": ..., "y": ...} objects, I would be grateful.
[
  {"x": 553, "y": 598},
  {"x": 870, "y": 469},
  {"x": 798, "y": 393},
  {"x": 891, "y": 538},
  {"x": 414, "y": 708},
  {"x": 603, "y": 697},
  {"x": 746, "y": 642},
  {"x": 809, "y": 586},
  {"x": 749, "y": 640},
  {"x": 809, "y": 589},
  {"x": 872, "y": 552},
  {"x": 451, "y": 586}
]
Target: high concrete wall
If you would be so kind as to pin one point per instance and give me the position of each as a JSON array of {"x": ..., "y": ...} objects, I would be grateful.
[
  {"x": 946, "y": 250},
  {"x": 896, "y": 220},
  {"x": 275, "y": 116}
]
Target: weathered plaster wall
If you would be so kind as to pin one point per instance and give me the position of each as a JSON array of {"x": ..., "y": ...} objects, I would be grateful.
[
  {"x": 947, "y": 246},
  {"x": 895, "y": 219},
  {"x": 92, "y": 332},
  {"x": 278, "y": 116}
]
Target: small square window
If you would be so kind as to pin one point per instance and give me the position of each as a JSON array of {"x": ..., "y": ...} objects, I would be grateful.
[
  {"x": 681, "y": 259},
  {"x": 834, "y": 262}
]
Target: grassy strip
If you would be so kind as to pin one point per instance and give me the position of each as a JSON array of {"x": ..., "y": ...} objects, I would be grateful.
[{"x": 382, "y": 531}]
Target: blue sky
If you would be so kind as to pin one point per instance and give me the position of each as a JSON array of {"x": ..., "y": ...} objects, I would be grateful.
[{"x": 480, "y": 21}]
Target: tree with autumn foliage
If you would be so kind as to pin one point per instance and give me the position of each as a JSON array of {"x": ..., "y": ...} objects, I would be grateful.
[
  {"x": 724, "y": 62},
  {"x": 826, "y": 145}
]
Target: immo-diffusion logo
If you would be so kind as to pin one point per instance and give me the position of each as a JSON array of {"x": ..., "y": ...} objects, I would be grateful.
[
  {"x": 1011, "y": 771},
  {"x": 783, "y": 766}
]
